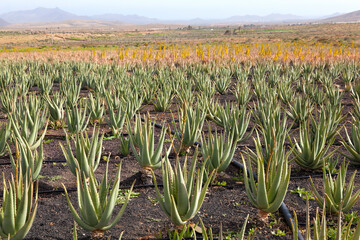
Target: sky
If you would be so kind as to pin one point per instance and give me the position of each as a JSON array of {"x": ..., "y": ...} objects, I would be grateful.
[{"x": 188, "y": 9}]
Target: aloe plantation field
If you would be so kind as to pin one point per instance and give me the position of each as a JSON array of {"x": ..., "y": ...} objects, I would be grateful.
[{"x": 222, "y": 140}]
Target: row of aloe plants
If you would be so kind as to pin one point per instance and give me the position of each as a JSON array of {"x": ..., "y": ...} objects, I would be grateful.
[
  {"x": 316, "y": 132},
  {"x": 276, "y": 163}
]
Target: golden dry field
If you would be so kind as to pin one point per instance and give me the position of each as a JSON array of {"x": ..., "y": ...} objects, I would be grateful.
[{"x": 298, "y": 43}]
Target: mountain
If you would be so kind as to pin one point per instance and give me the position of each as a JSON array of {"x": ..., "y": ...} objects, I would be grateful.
[
  {"x": 272, "y": 18},
  {"x": 132, "y": 19},
  {"x": 348, "y": 17},
  {"x": 39, "y": 15},
  {"x": 268, "y": 18},
  {"x": 72, "y": 24},
  {"x": 3, "y": 22},
  {"x": 331, "y": 15},
  {"x": 56, "y": 15}
]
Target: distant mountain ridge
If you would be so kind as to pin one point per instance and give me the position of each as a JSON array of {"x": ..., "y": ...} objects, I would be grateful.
[
  {"x": 39, "y": 15},
  {"x": 347, "y": 17},
  {"x": 43, "y": 15},
  {"x": 133, "y": 19}
]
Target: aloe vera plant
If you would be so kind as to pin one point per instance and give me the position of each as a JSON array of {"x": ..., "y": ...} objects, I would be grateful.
[
  {"x": 71, "y": 90},
  {"x": 218, "y": 151},
  {"x": 190, "y": 126},
  {"x": 207, "y": 234},
  {"x": 31, "y": 160},
  {"x": 242, "y": 93},
  {"x": 334, "y": 94},
  {"x": 234, "y": 120},
  {"x": 113, "y": 99},
  {"x": 273, "y": 179},
  {"x": 8, "y": 100},
  {"x": 56, "y": 109},
  {"x": 315, "y": 94},
  {"x": 205, "y": 86},
  {"x": 163, "y": 100},
  {"x": 117, "y": 117},
  {"x": 133, "y": 102},
  {"x": 97, "y": 202},
  {"x": 267, "y": 113},
  {"x": 45, "y": 84},
  {"x": 299, "y": 110},
  {"x": 76, "y": 119},
  {"x": 285, "y": 90},
  {"x": 202, "y": 82},
  {"x": 353, "y": 142},
  {"x": 148, "y": 91},
  {"x": 261, "y": 89},
  {"x": 330, "y": 116},
  {"x": 311, "y": 150},
  {"x": 87, "y": 152},
  {"x": 96, "y": 108},
  {"x": 222, "y": 83},
  {"x": 5, "y": 132},
  {"x": 356, "y": 111},
  {"x": 148, "y": 156},
  {"x": 320, "y": 228},
  {"x": 19, "y": 206},
  {"x": 27, "y": 121},
  {"x": 185, "y": 94},
  {"x": 184, "y": 191},
  {"x": 320, "y": 232},
  {"x": 273, "y": 145},
  {"x": 348, "y": 76},
  {"x": 208, "y": 105},
  {"x": 336, "y": 192}
]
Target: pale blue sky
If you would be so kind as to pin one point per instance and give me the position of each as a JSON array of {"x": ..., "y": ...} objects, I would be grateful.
[{"x": 187, "y": 9}]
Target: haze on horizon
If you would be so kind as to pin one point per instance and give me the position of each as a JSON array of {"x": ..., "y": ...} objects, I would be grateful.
[{"x": 189, "y": 9}]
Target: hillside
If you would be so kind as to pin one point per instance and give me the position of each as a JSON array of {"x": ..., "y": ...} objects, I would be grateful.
[
  {"x": 39, "y": 15},
  {"x": 71, "y": 24},
  {"x": 132, "y": 19},
  {"x": 348, "y": 17}
]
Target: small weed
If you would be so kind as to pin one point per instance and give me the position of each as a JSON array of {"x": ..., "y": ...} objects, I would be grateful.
[
  {"x": 230, "y": 235},
  {"x": 54, "y": 178},
  {"x": 223, "y": 183},
  {"x": 153, "y": 200},
  {"x": 279, "y": 233},
  {"x": 109, "y": 138},
  {"x": 331, "y": 233},
  {"x": 50, "y": 178},
  {"x": 353, "y": 215},
  {"x": 303, "y": 193},
  {"x": 48, "y": 141},
  {"x": 238, "y": 177},
  {"x": 273, "y": 221},
  {"x": 252, "y": 232},
  {"x": 122, "y": 196}
]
